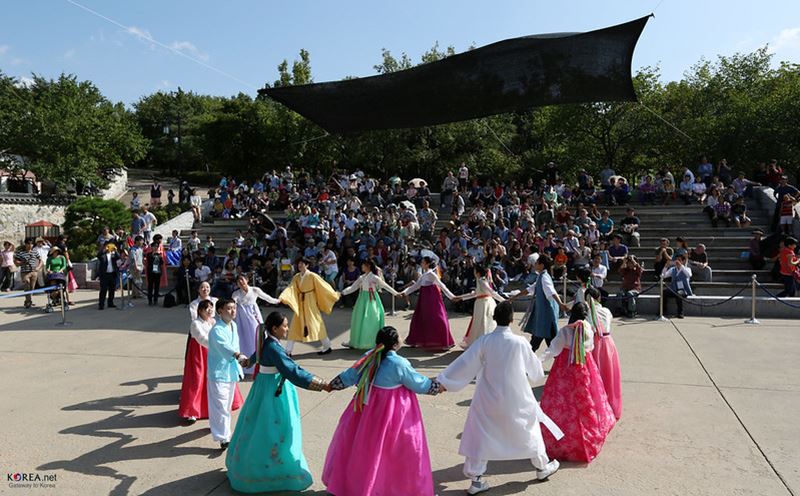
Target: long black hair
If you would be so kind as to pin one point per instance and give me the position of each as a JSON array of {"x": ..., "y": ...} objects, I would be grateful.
[
  {"x": 274, "y": 319},
  {"x": 579, "y": 312},
  {"x": 388, "y": 337}
]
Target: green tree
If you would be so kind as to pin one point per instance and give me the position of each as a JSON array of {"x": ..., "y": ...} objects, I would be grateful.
[
  {"x": 85, "y": 219},
  {"x": 67, "y": 129}
]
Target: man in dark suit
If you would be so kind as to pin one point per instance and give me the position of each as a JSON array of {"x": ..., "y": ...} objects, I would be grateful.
[{"x": 108, "y": 272}]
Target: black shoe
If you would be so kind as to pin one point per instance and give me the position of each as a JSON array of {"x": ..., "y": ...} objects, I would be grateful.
[
  {"x": 223, "y": 446},
  {"x": 111, "y": 305},
  {"x": 325, "y": 352},
  {"x": 101, "y": 307},
  {"x": 680, "y": 316}
]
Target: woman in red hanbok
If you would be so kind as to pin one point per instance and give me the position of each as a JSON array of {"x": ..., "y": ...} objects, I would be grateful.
[
  {"x": 194, "y": 397},
  {"x": 574, "y": 396}
]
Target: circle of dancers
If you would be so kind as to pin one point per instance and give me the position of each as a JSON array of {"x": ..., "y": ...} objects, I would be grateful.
[{"x": 379, "y": 446}]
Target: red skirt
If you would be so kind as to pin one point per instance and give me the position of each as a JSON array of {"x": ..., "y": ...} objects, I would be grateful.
[
  {"x": 194, "y": 396},
  {"x": 575, "y": 399}
]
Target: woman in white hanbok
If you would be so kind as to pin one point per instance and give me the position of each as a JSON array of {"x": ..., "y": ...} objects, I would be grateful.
[
  {"x": 248, "y": 315},
  {"x": 482, "y": 321}
]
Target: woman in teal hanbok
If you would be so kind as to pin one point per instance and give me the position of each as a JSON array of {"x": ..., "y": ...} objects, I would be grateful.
[{"x": 266, "y": 450}]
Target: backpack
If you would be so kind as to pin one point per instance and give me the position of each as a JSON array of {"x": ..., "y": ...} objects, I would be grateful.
[{"x": 169, "y": 300}]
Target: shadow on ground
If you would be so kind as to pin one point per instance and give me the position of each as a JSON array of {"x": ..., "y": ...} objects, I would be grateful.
[{"x": 123, "y": 419}]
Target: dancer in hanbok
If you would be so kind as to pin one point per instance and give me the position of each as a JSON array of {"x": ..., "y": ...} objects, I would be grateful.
[
  {"x": 194, "y": 394},
  {"x": 368, "y": 314},
  {"x": 203, "y": 293},
  {"x": 574, "y": 396},
  {"x": 605, "y": 351},
  {"x": 429, "y": 325},
  {"x": 266, "y": 450},
  {"x": 482, "y": 320},
  {"x": 308, "y": 295},
  {"x": 504, "y": 417},
  {"x": 248, "y": 315},
  {"x": 379, "y": 446},
  {"x": 541, "y": 320}
]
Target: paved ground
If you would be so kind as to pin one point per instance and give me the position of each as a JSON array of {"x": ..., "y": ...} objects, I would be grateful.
[{"x": 710, "y": 408}]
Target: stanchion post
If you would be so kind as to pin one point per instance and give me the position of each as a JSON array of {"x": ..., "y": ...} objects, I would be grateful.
[
  {"x": 189, "y": 289},
  {"x": 661, "y": 299},
  {"x": 63, "y": 322},
  {"x": 121, "y": 291},
  {"x": 394, "y": 278},
  {"x": 752, "y": 320}
]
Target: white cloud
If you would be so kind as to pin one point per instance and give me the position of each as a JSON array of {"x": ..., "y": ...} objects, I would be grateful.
[
  {"x": 787, "y": 44},
  {"x": 69, "y": 53},
  {"x": 143, "y": 35},
  {"x": 24, "y": 82},
  {"x": 188, "y": 48},
  {"x": 4, "y": 49}
]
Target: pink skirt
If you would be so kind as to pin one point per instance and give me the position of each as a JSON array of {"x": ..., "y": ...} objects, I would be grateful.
[
  {"x": 194, "y": 396},
  {"x": 607, "y": 360},
  {"x": 574, "y": 398},
  {"x": 429, "y": 325},
  {"x": 380, "y": 450}
]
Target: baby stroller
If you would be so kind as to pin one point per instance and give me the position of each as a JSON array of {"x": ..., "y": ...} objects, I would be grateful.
[{"x": 54, "y": 295}]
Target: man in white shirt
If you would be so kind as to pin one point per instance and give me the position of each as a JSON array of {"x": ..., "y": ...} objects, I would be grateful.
[
  {"x": 150, "y": 221},
  {"x": 463, "y": 176},
  {"x": 599, "y": 274}
]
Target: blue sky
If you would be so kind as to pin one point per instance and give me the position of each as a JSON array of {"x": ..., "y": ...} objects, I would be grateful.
[{"x": 247, "y": 39}]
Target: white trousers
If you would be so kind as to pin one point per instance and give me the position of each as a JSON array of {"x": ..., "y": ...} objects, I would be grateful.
[
  {"x": 474, "y": 468},
  {"x": 326, "y": 343},
  {"x": 220, "y": 401}
]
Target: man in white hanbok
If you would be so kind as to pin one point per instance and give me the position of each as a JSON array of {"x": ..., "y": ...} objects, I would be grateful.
[{"x": 503, "y": 419}]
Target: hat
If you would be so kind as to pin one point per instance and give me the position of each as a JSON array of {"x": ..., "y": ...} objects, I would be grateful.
[
  {"x": 54, "y": 249},
  {"x": 39, "y": 240},
  {"x": 758, "y": 231}
]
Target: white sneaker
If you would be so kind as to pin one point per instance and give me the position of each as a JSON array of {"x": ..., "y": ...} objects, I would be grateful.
[
  {"x": 548, "y": 470},
  {"x": 478, "y": 486}
]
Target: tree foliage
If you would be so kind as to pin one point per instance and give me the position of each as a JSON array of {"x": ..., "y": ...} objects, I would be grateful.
[
  {"x": 66, "y": 129},
  {"x": 86, "y": 217}
]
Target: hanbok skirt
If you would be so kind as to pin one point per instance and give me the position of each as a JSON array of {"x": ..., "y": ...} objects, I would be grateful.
[
  {"x": 194, "y": 395},
  {"x": 607, "y": 360},
  {"x": 266, "y": 450},
  {"x": 380, "y": 450},
  {"x": 366, "y": 320},
  {"x": 248, "y": 318},
  {"x": 482, "y": 321},
  {"x": 429, "y": 325},
  {"x": 574, "y": 398}
]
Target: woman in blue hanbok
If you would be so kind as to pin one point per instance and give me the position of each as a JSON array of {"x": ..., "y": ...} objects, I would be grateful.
[{"x": 266, "y": 451}]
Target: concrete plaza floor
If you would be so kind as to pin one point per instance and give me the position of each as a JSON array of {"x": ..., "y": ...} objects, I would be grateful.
[{"x": 710, "y": 408}]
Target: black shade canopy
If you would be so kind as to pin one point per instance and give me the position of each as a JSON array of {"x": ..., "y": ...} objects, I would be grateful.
[{"x": 506, "y": 76}]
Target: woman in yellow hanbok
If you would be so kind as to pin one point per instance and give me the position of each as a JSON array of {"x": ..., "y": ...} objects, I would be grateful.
[{"x": 307, "y": 296}]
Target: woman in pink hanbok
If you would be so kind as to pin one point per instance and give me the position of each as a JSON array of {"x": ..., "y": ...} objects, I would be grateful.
[
  {"x": 605, "y": 351},
  {"x": 574, "y": 396}
]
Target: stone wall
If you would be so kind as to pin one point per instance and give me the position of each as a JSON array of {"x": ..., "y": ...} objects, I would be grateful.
[
  {"x": 14, "y": 218},
  {"x": 118, "y": 187}
]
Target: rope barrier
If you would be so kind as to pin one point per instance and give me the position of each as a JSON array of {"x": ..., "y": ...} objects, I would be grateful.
[
  {"x": 687, "y": 300},
  {"x": 776, "y": 297},
  {"x": 29, "y": 292}
]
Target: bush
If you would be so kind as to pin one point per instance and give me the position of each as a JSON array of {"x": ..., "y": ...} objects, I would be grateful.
[
  {"x": 83, "y": 253},
  {"x": 167, "y": 212},
  {"x": 85, "y": 218}
]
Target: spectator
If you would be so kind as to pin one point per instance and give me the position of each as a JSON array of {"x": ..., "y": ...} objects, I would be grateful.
[
  {"x": 699, "y": 190},
  {"x": 629, "y": 226},
  {"x": 756, "y": 256},
  {"x": 679, "y": 287},
  {"x": 42, "y": 248},
  {"x": 599, "y": 275},
  {"x": 743, "y": 186},
  {"x": 631, "y": 284},
  {"x": 196, "y": 203},
  {"x": 698, "y": 261},
  {"x": 722, "y": 212},
  {"x": 150, "y": 221},
  {"x": 787, "y": 204},
  {"x": 774, "y": 173},
  {"x": 705, "y": 170},
  {"x": 29, "y": 264},
  {"x": 622, "y": 192},
  {"x": 682, "y": 248},
  {"x": 7, "y": 267},
  {"x": 616, "y": 252},
  {"x": 663, "y": 256},
  {"x": 606, "y": 174},
  {"x": 135, "y": 202},
  {"x": 449, "y": 186},
  {"x": 108, "y": 267},
  {"x": 463, "y": 176},
  {"x": 788, "y": 266},
  {"x": 647, "y": 191},
  {"x": 155, "y": 266},
  {"x": 685, "y": 189},
  {"x": 155, "y": 194},
  {"x": 605, "y": 225},
  {"x": 667, "y": 191},
  {"x": 739, "y": 213},
  {"x": 723, "y": 171}
]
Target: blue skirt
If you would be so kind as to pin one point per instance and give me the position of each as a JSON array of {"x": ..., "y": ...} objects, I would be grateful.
[{"x": 266, "y": 450}]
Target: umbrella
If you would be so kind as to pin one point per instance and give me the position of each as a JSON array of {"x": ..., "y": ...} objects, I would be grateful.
[
  {"x": 409, "y": 205},
  {"x": 418, "y": 182},
  {"x": 429, "y": 254},
  {"x": 394, "y": 180}
]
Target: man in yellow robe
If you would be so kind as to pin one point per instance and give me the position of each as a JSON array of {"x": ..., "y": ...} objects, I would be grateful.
[{"x": 307, "y": 296}]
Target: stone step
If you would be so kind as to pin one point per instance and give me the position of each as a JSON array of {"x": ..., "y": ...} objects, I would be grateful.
[
  {"x": 721, "y": 275},
  {"x": 701, "y": 288}
]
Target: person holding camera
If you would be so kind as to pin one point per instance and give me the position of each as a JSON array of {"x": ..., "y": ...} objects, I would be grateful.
[
  {"x": 631, "y": 272},
  {"x": 680, "y": 275}
]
